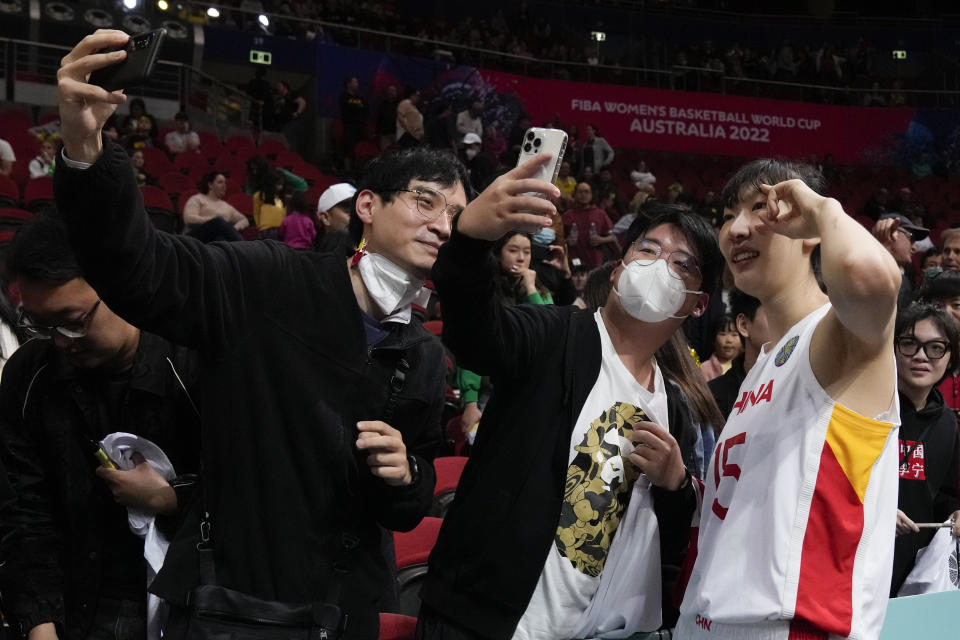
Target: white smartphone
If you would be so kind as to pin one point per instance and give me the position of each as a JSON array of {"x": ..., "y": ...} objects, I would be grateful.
[{"x": 537, "y": 141}]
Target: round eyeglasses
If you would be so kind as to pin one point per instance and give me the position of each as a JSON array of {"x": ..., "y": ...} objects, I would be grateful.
[
  {"x": 934, "y": 349},
  {"x": 431, "y": 204},
  {"x": 681, "y": 263}
]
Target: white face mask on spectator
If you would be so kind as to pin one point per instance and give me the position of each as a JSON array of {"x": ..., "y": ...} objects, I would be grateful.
[
  {"x": 471, "y": 152},
  {"x": 391, "y": 287},
  {"x": 650, "y": 292}
]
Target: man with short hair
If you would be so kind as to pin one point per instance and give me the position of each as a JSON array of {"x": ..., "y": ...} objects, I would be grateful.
[
  {"x": 587, "y": 228},
  {"x": 470, "y": 120},
  {"x": 581, "y": 409},
  {"x": 333, "y": 212},
  {"x": 899, "y": 236},
  {"x": 181, "y": 138},
  {"x": 596, "y": 151},
  {"x": 323, "y": 394},
  {"x": 752, "y": 327},
  {"x": 566, "y": 182},
  {"x": 73, "y": 567},
  {"x": 950, "y": 250}
]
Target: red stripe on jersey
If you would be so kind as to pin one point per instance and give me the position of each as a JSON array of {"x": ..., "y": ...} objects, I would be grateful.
[
  {"x": 834, "y": 529},
  {"x": 802, "y": 630}
]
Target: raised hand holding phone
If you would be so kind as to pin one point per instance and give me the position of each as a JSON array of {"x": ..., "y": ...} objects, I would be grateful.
[
  {"x": 84, "y": 108},
  {"x": 507, "y": 204}
]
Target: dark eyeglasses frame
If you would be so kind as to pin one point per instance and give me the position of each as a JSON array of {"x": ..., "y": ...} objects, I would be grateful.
[
  {"x": 921, "y": 345},
  {"x": 72, "y": 330}
]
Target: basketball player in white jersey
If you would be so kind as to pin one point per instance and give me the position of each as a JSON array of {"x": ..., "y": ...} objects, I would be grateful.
[{"x": 797, "y": 528}]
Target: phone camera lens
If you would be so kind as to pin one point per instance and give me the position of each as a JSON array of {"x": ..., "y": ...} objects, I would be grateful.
[
  {"x": 529, "y": 135},
  {"x": 527, "y": 147},
  {"x": 537, "y": 142}
]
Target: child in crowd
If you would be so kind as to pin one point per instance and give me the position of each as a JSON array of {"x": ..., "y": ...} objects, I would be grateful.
[
  {"x": 726, "y": 347},
  {"x": 298, "y": 229}
]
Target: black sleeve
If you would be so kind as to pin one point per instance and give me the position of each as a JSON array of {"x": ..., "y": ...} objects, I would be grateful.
[
  {"x": 947, "y": 499},
  {"x": 486, "y": 336},
  {"x": 402, "y": 508},
  {"x": 190, "y": 293},
  {"x": 31, "y": 542}
]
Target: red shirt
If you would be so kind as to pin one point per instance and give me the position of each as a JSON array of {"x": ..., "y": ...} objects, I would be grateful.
[{"x": 590, "y": 256}]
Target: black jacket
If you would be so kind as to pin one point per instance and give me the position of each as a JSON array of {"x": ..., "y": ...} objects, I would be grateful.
[
  {"x": 287, "y": 375},
  {"x": 56, "y": 532},
  {"x": 726, "y": 387},
  {"x": 938, "y": 495},
  {"x": 544, "y": 360}
]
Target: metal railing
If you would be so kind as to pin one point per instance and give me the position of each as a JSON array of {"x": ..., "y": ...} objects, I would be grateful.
[
  {"x": 24, "y": 61},
  {"x": 669, "y": 76}
]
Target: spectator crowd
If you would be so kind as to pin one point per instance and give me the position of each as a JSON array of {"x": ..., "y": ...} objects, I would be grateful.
[{"x": 220, "y": 415}]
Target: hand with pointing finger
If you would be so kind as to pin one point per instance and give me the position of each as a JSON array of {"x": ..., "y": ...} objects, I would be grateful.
[{"x": 506, "y": 204}]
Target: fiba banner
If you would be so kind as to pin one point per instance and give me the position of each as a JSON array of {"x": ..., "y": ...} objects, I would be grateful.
[{"x": 632, "y": 117}]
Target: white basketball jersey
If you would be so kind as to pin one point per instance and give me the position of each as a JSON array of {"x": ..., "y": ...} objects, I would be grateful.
[{"x": 798, "y": 510}]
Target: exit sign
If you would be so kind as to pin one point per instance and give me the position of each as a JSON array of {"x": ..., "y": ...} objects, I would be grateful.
[{"x": 260, "y": 57}]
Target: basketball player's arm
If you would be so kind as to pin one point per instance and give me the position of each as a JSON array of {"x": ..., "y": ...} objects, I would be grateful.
[{"x": 861, "y": 277}]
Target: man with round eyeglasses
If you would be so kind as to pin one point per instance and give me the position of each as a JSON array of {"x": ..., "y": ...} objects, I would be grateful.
[
  {"x": 322, "y": 391},
  {"x": 73, "y": 567},
  {"x": 584, "y": 456}
]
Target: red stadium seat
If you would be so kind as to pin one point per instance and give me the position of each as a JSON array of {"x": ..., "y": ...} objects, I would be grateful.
[
  {"x": 240, "y": 146},
  {"x": 14, "y": 119},
  {"x": 288, "y": 159},
  {"x": 397, "y": 627},
  {"x": 242, "y": 203},
  {"x": 433, "y": 326},
  {"x": 449, "y": 469},
  {"x": 9, "y": 192},
  {"x": 6, "y": 237},
  {"x": 271, "y": 148},
  {"x": 156, "y": 161},
  {"x": 364, "y": 150},
  {"x": 412, "y": 550},
  {"x": 191, "y": 162},
  {"x": 12, "y": 219},
  {"x": 156, "y": 198},
  {"x": 176, "y": 183},
  {"x": 160, "y": 209},
  {"x": 38, "y": 194}
]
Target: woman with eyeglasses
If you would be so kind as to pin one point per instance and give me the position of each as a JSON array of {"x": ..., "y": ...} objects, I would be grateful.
[{"x": 926, "y": 347}]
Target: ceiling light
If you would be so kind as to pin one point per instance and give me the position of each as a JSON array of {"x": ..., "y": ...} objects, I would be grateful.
[{"x": 213, "y": 12}]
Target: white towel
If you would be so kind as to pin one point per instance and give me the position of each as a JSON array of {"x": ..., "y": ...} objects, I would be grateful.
[
  {"x": 936, "y": 567},
  {"x": 121, "y": 447}
]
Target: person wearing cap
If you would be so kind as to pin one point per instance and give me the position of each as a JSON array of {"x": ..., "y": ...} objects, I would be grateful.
[
  {"x": 333, "y": 213},
  {"x": 898, "y": 235},
  {"x": 479, "y": 167},
  {"x": 181, "y": 138}
]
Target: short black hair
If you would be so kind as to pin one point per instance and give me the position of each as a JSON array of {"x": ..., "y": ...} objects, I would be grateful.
[
  {"x": 298, "y": 202},
  {"x": 944, "y": 286},
  {"x": 748, "y": 178},
  {"x": 181, "y": 115},
  {"x": 908, "y": 318},
  {"x": 597, "y": 288},
  {"x": 744, "y": 303},
  {"x": 697, "y": 231},
  {"x": 392, "y": 172},
  {"x": 41, "y": 252},
  {"x": 724, "y": 322}
]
